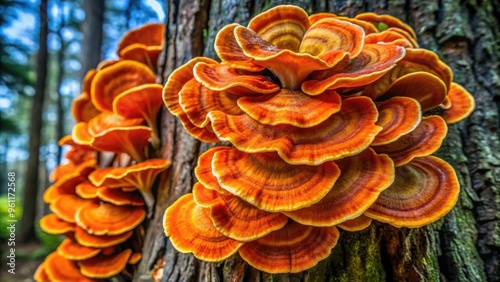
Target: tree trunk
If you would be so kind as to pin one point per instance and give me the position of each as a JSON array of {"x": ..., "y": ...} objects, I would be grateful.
[
  {"x": 60, "y": 77},
  {"x": 464, "y": 246},
  {"x": 27, "y": 228},
  {"x": 92, "y": 35}
]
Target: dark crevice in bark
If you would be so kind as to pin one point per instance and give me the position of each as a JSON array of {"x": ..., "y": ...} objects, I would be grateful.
[{"x": 386, "y": 261}]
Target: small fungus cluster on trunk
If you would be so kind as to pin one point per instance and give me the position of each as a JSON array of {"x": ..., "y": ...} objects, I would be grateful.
[
  {"x": 329, "y": 126},
  {"x": 100, "y": 196}
]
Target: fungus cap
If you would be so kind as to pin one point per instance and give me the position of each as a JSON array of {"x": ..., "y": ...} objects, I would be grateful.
[
  {"x": 100, "y": 241},
  {"x": 176, "y": 81},
  {"x": 292, "y": 107},
  {"x": 72, "y": 250},
  {"x": 52, "y": 224},
  {"x": 397, "y": 116},
  {"x": 62, "y": 269},
  {"x": 356, "y": 224},
  {"x": 113, "y": 80},
  {"x": 423, "y": 191},
  {"x": 236, "y": 218},
  {"x": 192, "y": 231},
  {"x": 102, "y": 267},
  {"x": 66, "y": 206},
  {"x": 130, "y": 140},
  {"x": 462, "y": 104},
  {"x": 148, "y": 34},
  {"x": 345, "y": 133},
  {"x": 424, "y": 140},
  {"x": 269, "y": 183},
  {"x": 108, "y": 219},
  {"x": 364, "y": 176},
  {"x": 293, "y": 248},
  {"x": 119, "y": 197}
]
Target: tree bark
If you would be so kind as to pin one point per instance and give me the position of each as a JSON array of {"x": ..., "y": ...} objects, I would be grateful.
[
  {"x": 27, "y": 228},
  {"x": 92, "y": 35},
  {"x": 463, "y": 246}
]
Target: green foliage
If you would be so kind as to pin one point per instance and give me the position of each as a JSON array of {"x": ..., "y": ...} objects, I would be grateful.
[
  {"x": 5, "y": 215},
  {"x": 8, "y": 125}
]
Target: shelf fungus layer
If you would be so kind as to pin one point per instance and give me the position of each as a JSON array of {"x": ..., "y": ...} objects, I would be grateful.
[{"x": 327, "y": 121}]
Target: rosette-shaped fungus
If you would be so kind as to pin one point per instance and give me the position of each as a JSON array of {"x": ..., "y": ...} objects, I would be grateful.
[{"x": 327, "y": 118}]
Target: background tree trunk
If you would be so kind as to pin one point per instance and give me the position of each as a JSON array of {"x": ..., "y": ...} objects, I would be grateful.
[
  {"x": 27, "y": 224},
  {"x": 464, "y": 246},
  {"x": 92, "y": 35}
]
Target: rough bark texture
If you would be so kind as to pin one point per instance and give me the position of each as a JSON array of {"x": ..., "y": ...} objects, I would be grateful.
[
  {"x": 464, "y": 246},
  {"x": 27, "y": 227}
]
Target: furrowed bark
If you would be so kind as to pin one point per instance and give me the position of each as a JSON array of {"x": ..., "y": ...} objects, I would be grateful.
[{"x": 463, "y": 246}]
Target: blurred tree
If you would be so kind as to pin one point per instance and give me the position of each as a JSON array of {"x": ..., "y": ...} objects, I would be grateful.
[
  {"x": 29, "y": 199},
  {"x": 8, "y": 127},
  {"x": 463, "y": 246},
  {"x": 92, "y": 29},
  {"x": 14, "y": 75},
  {"x": 60, "y": 76}
]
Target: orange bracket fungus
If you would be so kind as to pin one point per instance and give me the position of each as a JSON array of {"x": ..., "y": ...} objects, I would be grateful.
[
  {"x": 140, "y": 176},
  {"x": 102, "y": 266},
  {"x": 108, "y": 219},
  {"x": 329, "y": 124},
  {"x": 116, "y": 136}
]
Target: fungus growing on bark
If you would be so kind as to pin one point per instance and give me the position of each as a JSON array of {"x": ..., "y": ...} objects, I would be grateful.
[
  {"x": 397, "y": 116},
  {"x": 236, "y": 218},
  {"x": 59, "y": 268},
  {"x": 84, "y": 238},
  {"x": 130, "y": 140},
  {"x": 177, "y": 79},
  {"x": 52, "y": 224},
  {"x": 108, "y": 219},
  {"x": 461, "y": 104},
  {"x": 424, "y": 190},
  {"x": 66, "y": 184},
  {"x": 269, "y": 183},
  {"x": 363, "y": 178},
  {"x": 86, "y": 190},
  {"x": 356, "y": 224},
  {"x": 346, "y": 133},
  {"x": 66, "y": 206},
  {"x": 141, "y": 175},
  {"x": 119, "y": 197},
  {"x": 113, "y": 80},
  {"x": 146, "y": 35},
  {"x": 82, "y": 108},
  {"x": 40, "y": 274},
  {"x": 424, "y": 140},
  {"x": 102, "y": 266},
  {"x": 192, "y": 231},
  {"x": 293, "y": 248},
  {"x": 326, "y": 118},
  {"x": 142, "y": 101},
  {"x": 72, "y": 250},
  {"x": 134, "y": 258}
]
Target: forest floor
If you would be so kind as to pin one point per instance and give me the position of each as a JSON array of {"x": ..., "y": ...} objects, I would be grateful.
[{"x": 26, "y": 263}]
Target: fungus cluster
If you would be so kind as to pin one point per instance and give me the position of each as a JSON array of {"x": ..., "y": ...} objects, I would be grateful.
[
  {"x": 98, "y": 205},
  {"x": 332, "y": 122}
]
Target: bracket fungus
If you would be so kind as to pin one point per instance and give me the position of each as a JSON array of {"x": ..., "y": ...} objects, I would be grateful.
[
  {"x": 108, "y": 219},
  {"x": 116, "y": 134},
  {"x": 328, "y": 124},
  {"x": 140, "y": 176}
]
